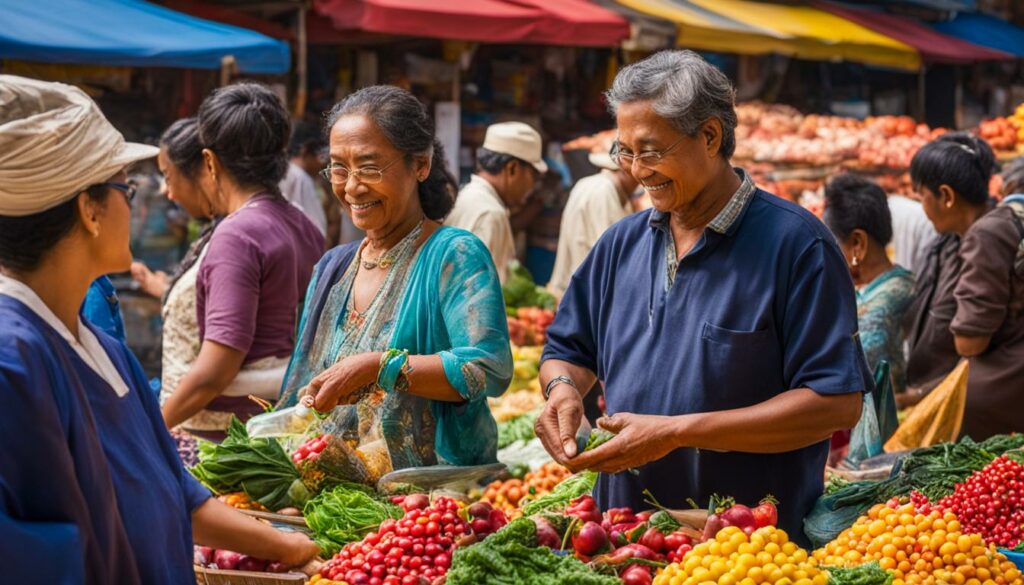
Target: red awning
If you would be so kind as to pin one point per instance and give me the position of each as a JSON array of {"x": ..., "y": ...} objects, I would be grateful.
[
  {"x": 229, "y": 16},
  {"x": 552, "y": 22},
  {"x": 934, "y": 46}
]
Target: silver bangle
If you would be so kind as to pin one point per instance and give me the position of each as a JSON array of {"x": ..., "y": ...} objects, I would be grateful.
[{"x": 556, "y": 381}]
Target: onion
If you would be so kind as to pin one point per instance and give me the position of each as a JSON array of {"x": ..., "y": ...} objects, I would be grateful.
[{"x": 227, "y": 560}]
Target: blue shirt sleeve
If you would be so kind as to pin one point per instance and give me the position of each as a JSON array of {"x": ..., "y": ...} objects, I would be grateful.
[{"x": 821, "y": 344}]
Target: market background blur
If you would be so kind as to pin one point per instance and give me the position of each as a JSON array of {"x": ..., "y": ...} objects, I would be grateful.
[{"x": 822, "y": 87}]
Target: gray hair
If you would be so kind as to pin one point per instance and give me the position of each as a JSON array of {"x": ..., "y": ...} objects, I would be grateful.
[{"x": 685, "y": 89}]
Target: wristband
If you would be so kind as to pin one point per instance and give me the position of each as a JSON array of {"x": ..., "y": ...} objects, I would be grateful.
[
  {"x": 556, "y": 381},
  {"x": 393, "y": 364}
]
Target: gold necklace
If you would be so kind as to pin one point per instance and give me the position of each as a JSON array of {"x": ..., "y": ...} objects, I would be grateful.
[{"x": 387, "y": 259}]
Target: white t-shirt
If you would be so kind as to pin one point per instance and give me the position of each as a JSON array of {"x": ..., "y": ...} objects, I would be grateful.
[
  {"x": 298, "y": 188},
  {"x": 912, "y": 233}
]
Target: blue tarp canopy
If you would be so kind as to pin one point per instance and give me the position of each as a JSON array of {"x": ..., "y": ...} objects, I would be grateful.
[
  {"x": 130, "y": 33},
  {"x": 985, "y": 30}
]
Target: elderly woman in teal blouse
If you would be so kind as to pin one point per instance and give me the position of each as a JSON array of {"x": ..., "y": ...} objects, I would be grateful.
[{"x": 407, "y": 325}]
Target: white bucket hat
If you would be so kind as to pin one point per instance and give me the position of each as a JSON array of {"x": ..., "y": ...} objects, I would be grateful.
[
  {"x": 516, "y": 139},
  {"x": 55, "y": 142}
]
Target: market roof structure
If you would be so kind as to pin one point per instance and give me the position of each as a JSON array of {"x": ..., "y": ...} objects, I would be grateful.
[
  {"x": 130, "y": 33},
  {"x": 985, "y": 30},
  {"x": 577, "y": 23},
  {"x": 934, "y": 46}
]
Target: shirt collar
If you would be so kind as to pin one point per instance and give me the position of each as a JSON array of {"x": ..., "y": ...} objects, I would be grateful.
[
  {"x": 485, "y": 185},
  {"x": 727, "y": 217},
  {"x": 89, "y": 348}
]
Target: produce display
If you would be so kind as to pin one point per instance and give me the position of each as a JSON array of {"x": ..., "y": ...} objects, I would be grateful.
[
  {"x": 991, "y": 502},
  {"x": 507, "y": 495},
  {"x": 1006, "y": 135},
  {"x": 226, "y": 560},
  {"x": 346, "y": 513},
  {"x": 919, "y": 548},
  {"x": 519, "y": 428},
  {"x": 311, "y": 449},
  {"x": 529, "y": 325},
  {"x": 733, "y": 557},
  {"x": 241, "y": 501}
]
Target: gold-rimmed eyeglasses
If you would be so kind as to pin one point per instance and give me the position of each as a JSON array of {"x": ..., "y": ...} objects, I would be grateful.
[
  {"x": 648, "y": 159},
  {"x": 370, "y": 175}
]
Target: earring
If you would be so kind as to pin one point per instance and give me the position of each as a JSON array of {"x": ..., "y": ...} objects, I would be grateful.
[
  {"x": 855, "y": 268},
  {"x": 949, "y": 205}
]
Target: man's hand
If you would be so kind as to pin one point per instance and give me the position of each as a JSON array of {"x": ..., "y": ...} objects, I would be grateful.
[
  {"x": 557, "y": 425},
  {"x": 639, "y": 439},
  {"x": 298, "y": 550},
  {"x": 339, "y": 383}
]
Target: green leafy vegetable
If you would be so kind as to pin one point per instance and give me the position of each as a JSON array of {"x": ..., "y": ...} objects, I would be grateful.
[
  {"x": 259, "y": 467},
  {"x": 519, "y": 428},
  {"x": 346, "y": 513},
  {"x": 520, "y": 290},
  {"x": 512, "y": 557},
  {"x": 570, "y": 489},
  {"x": 866, "y": 574}
]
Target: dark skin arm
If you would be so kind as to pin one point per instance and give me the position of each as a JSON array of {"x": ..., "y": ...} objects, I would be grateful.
[
  {"x": 766, "y": 427},
  {"x": 339, "y": 383},
  {"x": 214, "y": 369},
  {"x": 219, "y": 526},
  {"x": 970, "y": 346}
]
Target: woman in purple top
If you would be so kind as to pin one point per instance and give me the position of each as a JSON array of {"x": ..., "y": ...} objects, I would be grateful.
[{"x": 256, "y": 268}]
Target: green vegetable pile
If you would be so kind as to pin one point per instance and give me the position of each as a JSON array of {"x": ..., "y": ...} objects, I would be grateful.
[
  {"x": 346, "y": 513},
  {"x": 933, "y": 471},
  {"x": 511, "y": 556},
  {"x": 866, "y": 574},
  {"x": 520, "y": 290},
  {"x": 573, "y": 487},
  {"x": 519, "y": 428},
  {"x": 258, "y": 467}
]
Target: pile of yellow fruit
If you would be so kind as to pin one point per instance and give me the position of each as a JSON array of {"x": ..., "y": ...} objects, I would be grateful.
[
  {"x": 732, "y": 558},
  {"x": 920, "y": 549}
]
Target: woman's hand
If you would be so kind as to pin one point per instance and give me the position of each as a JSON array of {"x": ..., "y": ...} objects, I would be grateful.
[
  {"x": 339, "y": 383},
  {"x": 639, "y": 439},
  {"x": 152, "y": 283}
]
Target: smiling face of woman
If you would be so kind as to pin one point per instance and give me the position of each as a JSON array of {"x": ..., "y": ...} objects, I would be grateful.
[
  {"x": 683, "y": 173},
  {"x": 357, "y": 143}
]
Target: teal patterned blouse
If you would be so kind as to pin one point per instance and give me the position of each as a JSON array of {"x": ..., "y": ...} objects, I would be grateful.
[
  {"x": 880, "y": 309},
  {"x": 447, "y": 301}
]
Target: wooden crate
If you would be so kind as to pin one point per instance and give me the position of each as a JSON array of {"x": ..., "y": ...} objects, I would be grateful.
[{"x": 219, "y": 577}]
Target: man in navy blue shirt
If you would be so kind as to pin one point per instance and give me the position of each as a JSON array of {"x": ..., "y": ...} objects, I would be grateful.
[{"x": 723, "y": 322}]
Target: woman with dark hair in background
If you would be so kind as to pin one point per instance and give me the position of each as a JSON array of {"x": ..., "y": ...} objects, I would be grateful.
[
  {"x": 95, "y": 493},
  {"x": 256, "y": 268},
  {"x": 408, "y": 324},
  {"x": 972, "y": 305},
  {"x": 857, "y": 213}
]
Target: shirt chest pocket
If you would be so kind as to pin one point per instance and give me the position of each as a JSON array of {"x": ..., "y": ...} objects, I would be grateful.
[{"x": 740, "y": 368}]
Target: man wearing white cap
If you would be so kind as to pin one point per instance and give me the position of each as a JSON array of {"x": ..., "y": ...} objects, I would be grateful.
[
  {"x": 508, "y": 165},
  {"x": 596, "y": 202},
  {"x": 93, "y": 490}
]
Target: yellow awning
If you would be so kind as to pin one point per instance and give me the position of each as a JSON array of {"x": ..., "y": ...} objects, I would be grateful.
[
  {"x": 710, "y": 32},
  {"x": 816, "y": 34}
]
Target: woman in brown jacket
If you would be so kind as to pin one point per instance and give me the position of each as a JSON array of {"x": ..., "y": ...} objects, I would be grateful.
[{"x": 978, "y": 297}]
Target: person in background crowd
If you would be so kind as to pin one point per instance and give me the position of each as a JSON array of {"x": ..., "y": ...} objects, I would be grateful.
[
  {"x": 308, "y": 149},
  {"x": 912, "y": 234},
  {"x": 723, "y": 323},
  {"x": 297, "y": 188},
  {"x": 596, "y": 202},
  {"x": 181, "y": 162},
  {"x": 508, "y": 166},
  {"x": 102, "y": 309},
  {"x": 258, "y": 263},
  {"x": 409, "y": 323},
  {"x": 1013, "y": 182},
  {"x": 857, "y": 214},
  {"x": 96, "y": 493},
  {"x": 550, "y": 196},
  {"x": 977, "y": 311}
]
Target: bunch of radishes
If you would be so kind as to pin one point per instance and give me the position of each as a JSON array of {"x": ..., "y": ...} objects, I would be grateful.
[
  {"x": 311, "y": 449},
  {"x": 726, "y": 512},
  {"x": 484, "y": 519},
  {"x": 227, "y": 560}
]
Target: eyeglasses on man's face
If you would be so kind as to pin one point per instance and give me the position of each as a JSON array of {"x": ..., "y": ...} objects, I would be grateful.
[{"x": 647, "y": 159}]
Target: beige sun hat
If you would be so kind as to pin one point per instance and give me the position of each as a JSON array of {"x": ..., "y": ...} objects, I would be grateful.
[
  {"x": 516, "y": 139},
  {"x": 55, "y": 142},
  {"x": 602, "y": 160}
]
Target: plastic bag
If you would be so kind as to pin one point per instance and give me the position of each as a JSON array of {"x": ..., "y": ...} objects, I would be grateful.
[
  {"x": 938, "y": 417},
  {"x": 295, "y": 420},
  {"x": 868, "y": 437},
  {"x": 357, "y": 451}
]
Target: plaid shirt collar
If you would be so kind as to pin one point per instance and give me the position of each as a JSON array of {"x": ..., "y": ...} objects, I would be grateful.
[{"x": 726, "y": 218}]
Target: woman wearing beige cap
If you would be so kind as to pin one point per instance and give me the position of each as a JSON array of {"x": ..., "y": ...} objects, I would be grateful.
[{"x": 91, "y": 490}]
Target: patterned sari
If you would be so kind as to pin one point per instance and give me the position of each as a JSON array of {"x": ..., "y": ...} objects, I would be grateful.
[
  {"x": 881, "y": 306},
  {"x": 445, "y": 300}
]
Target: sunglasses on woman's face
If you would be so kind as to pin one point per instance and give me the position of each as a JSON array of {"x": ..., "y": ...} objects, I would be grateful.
[{"x": 129, "y": 189}]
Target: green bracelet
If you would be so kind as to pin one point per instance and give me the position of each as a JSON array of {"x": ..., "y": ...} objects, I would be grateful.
[{"x": 392, "y": 365}]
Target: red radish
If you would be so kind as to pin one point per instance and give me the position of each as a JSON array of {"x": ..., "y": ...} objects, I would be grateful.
[
  {"x": 584, "y": 508},
  {"x": 415, "y": 502},
  {"x": 739, "y": 516},
  {"x": 653, "y": 539},
  {"x": 480, "y": 510},
  {"x": 277, "y": 567},
  {"x": 590, "y": 540},
  {"x": 636, "y": 575},
  {"x": 546, "y": 533},
  {"x": 677, "y": 539},
  {"x": 497, "y": 519},
  {"x": 202, "y": 555},
  {"x": 227, "y": 560},
  {"x": 765, "y": 514},
  {"x": 247, "y": 563}
]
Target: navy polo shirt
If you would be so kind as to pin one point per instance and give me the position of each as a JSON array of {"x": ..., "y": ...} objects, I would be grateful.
[{"x": 762, "y": 304}]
